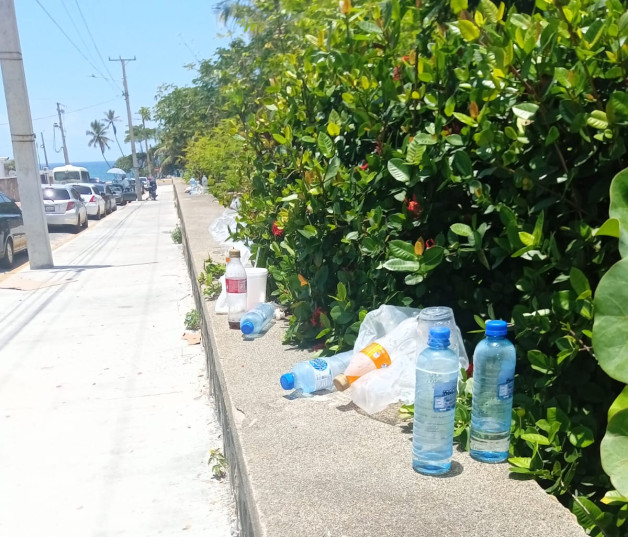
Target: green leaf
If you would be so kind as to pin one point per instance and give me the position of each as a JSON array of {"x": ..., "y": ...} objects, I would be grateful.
[
  {"x": 614, "y": 497},
  {"x": 468, "y": 30},
  {"x": 454, "y": 139},
  {"x": 462, "y": 163},
  {"x": 489, "y": 11},
  {"x": 326, "y": 145},
  {"x": 620, "y": 403},
  {"x": 597, "y": 120},
  {"x": 462, "y": 229},
  {"x": 370, "y": 27},
  {"x": 619, "y": 208},
  {"x": 432, "y": 258},
  {"x": 525, "y": 110},
  {"x": 467, "y": 120},
  {"x": 402, "y": 250},
  {"x": 333, "y": 129},
  {"x": 536, "y": 438},
  {"x": 520, "y": 462},
  {"x": 588, "y": 514},
  {"x": 308, "y": 232},
  {"x": 526, "y": 238},
  {"x": 610, "y": 228},
  {"x": 617, "y": 107},
  {"x": 581, "y": 436},
  {"x": 458, "y": 5},
  {"x": 415, "y": 152},
  {"x": 341, "y": 292},
  {"x": 614, "y": 451},
  {"x": 401, "y": 265},
  {"x": 610, "y": 329},
  {"x": 279, "y": 138},
  {"x": 424, "y": 139},
  {"x": 552, "y": 135},
  {"x": 399, "y": 170},
  {"x": 578, "y": 281}
]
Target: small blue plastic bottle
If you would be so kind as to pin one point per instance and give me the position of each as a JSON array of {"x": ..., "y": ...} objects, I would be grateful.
[
  {"x": 435, "y": 404},
  {"x": 317, "y": 374},
  {"x": 493, "y": 382},
  {"x": 256, "y": 320}
]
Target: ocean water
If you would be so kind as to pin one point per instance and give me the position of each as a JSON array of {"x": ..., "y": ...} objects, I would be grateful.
[{"x": 95, "y": 169}]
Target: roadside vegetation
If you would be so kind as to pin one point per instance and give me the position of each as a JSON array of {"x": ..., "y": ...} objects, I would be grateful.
[{"x": 441, "y": 153}]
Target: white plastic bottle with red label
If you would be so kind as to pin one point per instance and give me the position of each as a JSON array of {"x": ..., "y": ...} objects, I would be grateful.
[{"x": 235, "y": 281}]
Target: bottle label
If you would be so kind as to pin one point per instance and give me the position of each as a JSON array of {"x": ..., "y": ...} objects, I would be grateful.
[
  {"x": 322, "y": 374},
  {"x": 236, "y": 285},
  {"x": 505, "y": 384},
  {"x": 445, "y": 396},
  {"x": 378, "y": 354}
]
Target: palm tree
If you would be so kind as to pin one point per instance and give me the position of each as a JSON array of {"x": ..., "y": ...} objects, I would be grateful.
[
  {"x": 110, "y": 121},
  {"x": 99, "y": 138},
  {"x": 145, "y": 115}
]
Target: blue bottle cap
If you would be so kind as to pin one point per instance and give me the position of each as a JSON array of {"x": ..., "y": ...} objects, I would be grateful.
[
  {"x": 287, "y": 381},
  {"x": 439, "y": 334},
  {"x": 496, "y": 328},
  {"x": 246, "y": 327}
]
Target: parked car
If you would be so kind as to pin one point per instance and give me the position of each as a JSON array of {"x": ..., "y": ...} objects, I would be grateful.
[
  {"x": 116, "y": 192},
  {"x": 144, "y": 181},
  {"x": 64, "y": 206},
  {"x": 94, "y": 203},
  {"x": 12, "y": 232},
  {"x": 105, "y": 193}
]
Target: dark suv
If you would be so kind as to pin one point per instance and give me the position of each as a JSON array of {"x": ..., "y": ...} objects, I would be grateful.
[{"x": 12, "y": 233}]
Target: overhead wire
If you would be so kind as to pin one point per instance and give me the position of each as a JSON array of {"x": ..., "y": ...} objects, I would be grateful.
[
  {"x": 94, "y": 42},
  {"x": 73, "y": 43}
]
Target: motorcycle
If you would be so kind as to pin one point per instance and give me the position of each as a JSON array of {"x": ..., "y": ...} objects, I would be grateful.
[{"x": 152, "y": 193}]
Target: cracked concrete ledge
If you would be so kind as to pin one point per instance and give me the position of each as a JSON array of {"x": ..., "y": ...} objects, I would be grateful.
[{"x": 317, "y": 466}]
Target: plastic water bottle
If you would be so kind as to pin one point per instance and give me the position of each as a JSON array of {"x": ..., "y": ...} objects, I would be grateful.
[
  {"x": 235, "y": 278},
  {"x": 435, "y": 404},
  {"x": 256, "y": 320},
  {"x": 317, "y": 374},
  {"x": 493, "y": 382}
]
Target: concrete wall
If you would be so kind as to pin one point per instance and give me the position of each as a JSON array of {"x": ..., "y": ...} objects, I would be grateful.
[{"x": 8, "y": 185}]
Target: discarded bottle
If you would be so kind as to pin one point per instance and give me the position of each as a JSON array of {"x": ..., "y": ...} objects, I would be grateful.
[
  {"x": 435, "y": 404},
  {"x": 256, "y": 320},
  {"x": 235, "y": 279},
  {"x": 402, "y": 341},
  {"x": 493, "y": 382},
  {"x": 316, "y": 374}
]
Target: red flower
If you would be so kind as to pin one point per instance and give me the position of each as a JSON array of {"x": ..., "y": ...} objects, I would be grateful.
[
  {"x": 413, "y": 206},
  {"x": 429, "y": 243},
  {"x": 277, "y": 231},
  {"x": 470, "y": 371},
  {"x": 316, "y": 316},
  {"x": 364, "y": 166},
  {"x": 396, "y": 74},
  {"x": 378, "y": 148},
  {"x": 406, "y": 58}
]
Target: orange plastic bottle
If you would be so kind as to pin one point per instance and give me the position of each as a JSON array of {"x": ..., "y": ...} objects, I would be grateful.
[{"x": 381, "y": 353}]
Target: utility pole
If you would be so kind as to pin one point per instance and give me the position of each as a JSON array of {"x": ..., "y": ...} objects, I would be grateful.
[
  {"x": 136, "y": 168},
  {"x": 65, "y": 148},
  {"x": 43, "y": 145},
  {"x": 23, "y": 139}
]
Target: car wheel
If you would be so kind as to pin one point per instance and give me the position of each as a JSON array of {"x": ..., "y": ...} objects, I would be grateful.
[
  {"x": 86, "y": 223},
  {"x": 98, "y": 215},
  {"x": 9, "y": 257},
  {"x": 77, "y": 226}
]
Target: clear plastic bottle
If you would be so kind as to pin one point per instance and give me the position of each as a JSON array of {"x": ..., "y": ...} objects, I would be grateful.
[
  {"x": 402, "y": 341},
  {"x": 435, "y": 404},
  {"x": 257, "y": 319},
  {"x": 235, "y": 279},
  {"x": 316, "y": 374},
  {"x": 494, "y": 362}
]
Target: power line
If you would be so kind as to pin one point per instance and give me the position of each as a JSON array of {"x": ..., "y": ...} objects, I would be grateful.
[
  {"x": 70, "y": 111},
  {"x": 94, "y": 42},
  {"x": 70, "y": 40}
]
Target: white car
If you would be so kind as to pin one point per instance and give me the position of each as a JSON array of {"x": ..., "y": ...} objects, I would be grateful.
[
  {"x": 64, "y": 207},
  {"x": 94, "y": 202}
]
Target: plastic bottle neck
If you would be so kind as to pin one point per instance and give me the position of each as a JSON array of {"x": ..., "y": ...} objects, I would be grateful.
[
  {"x": 492, "y": 336},
  {"x": 438, "y": 344}
]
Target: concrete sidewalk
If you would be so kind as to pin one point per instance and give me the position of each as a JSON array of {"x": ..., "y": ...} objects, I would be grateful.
[{"x": 105, "y": 424}]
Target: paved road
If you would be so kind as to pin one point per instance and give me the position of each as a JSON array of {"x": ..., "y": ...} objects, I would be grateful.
[{"x": 105, "y": 425}]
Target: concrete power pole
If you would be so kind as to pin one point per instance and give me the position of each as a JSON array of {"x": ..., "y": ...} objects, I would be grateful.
[
  {"x": 23, "y": 139},
  {"x": 65, "y": 147},
  {"x": 136, "y": 168}
]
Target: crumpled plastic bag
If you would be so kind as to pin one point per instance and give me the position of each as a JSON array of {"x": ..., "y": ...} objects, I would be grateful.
[
  {"x": 377, "y": 389},
  {"x": 222, "y": 228},
  {"x": 221, "y": 302}
]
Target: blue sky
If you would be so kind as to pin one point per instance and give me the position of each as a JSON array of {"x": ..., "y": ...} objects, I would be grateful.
[{"x": 162, "y": 35}]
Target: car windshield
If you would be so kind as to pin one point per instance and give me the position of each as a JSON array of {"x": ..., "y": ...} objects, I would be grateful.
[
  {"x": 56, "y": 194},
  {"x": 99, "y": 188},
  {"x": 116, "y": 187},
  {"x": 82, "y": 189}
]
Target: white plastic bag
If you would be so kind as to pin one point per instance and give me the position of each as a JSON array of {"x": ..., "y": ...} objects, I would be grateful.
[
  {"x": 222, "y": 228},
  {"x": 377, "y": 389},
  {"x": 221, "y": 302}
]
